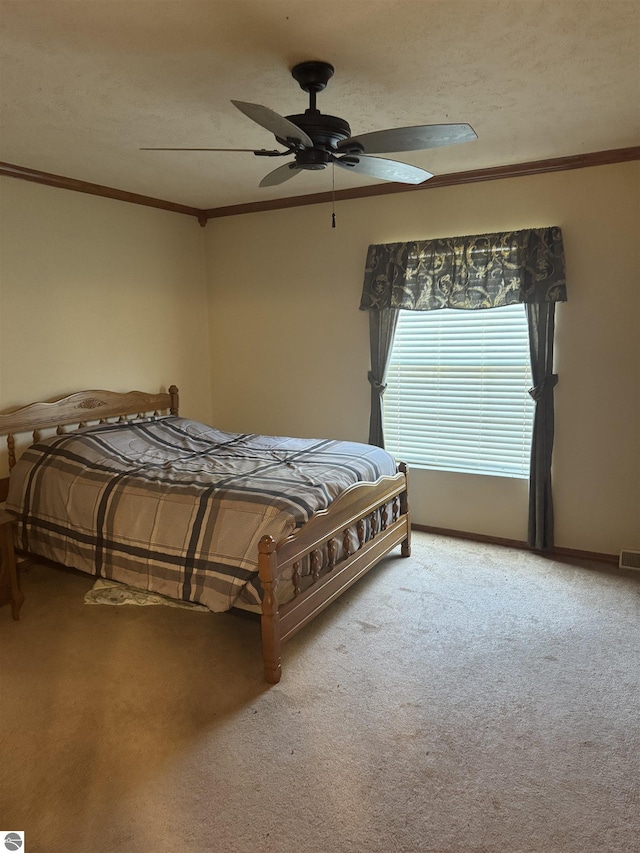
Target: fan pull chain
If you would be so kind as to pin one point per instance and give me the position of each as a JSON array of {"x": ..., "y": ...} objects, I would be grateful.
[{"x": 333, "y": 195}]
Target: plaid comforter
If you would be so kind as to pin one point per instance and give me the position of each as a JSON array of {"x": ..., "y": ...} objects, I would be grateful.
[{"x": 174, "y": 506}]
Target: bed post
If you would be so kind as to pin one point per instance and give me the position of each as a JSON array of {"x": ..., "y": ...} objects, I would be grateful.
[
  {"x": 405, "y": 548},
  {"x": 175, "y": 400},
  {"x": 267, "y": 569}
]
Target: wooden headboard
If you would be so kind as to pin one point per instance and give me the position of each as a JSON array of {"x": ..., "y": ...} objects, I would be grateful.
[{"x": 78, "y": 409}]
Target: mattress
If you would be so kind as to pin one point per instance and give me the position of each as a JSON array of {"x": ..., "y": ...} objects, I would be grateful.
[{"x": 176, "y": 507}]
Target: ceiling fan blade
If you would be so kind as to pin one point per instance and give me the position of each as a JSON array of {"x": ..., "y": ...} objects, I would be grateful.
[
  {"x": 249, "y": 150},
  {"x": 280, "y": 175},
  {"x": 410, "y": 138},
  {"x": 386, "y": 170},
  {"x": 280, "y": 126}
]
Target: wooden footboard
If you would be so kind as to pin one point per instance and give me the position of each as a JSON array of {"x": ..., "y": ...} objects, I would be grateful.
[{"x": 384, "y": 505}]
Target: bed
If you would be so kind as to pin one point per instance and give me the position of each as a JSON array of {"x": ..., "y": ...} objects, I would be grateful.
[{"x": 121, "y": 486}]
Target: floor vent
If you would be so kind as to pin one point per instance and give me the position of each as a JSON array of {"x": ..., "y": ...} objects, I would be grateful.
[{"x": 630, "y": 560}]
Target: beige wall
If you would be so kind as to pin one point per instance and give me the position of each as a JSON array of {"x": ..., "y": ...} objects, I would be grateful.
[
  {"x": 290, "y": 348},
  {"x": 96, "y": 293}
]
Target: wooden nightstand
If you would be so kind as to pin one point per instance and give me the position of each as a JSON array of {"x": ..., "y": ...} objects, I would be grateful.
[{"x": 9, "y": 589}]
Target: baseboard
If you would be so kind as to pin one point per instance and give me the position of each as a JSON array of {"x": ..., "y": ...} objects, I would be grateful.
[
  {"x": 586, "y": 555},
  {"x": 571, "y": 553}
]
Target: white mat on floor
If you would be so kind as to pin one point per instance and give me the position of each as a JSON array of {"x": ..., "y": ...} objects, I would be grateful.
[{"x": 110, "y": 592}]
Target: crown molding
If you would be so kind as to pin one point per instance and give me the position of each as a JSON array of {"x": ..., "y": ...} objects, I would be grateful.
[
  {"x": 25, "y": 174},
  {"x": 518, "y": 170},
  {"x": 494, "y": 173}
]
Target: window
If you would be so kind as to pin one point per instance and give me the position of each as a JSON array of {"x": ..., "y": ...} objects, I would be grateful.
[{"x": 456, "y": 397}]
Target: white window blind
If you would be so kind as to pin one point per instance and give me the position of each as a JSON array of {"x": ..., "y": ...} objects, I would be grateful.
[{"x": 457, "y": 391}]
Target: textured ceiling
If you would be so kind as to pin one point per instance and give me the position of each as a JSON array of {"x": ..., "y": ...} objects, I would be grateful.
[{"x": 84, "y": 84}]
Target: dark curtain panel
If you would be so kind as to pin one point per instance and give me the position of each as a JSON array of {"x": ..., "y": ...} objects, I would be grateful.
[
  {"x": 541, "y": 318},
  {"x": 382, "y": 327},
  {"x": 471, "y": 272}
]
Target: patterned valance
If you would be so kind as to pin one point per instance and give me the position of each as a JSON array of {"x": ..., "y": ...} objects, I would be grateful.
[{"x": 484, "y": 271}]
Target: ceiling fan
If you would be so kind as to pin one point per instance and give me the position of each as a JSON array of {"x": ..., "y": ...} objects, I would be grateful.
[{"x": 316, "y": 139}]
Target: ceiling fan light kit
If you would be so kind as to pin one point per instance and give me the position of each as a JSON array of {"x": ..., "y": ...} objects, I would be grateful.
[{"x": 317, "y": 140}]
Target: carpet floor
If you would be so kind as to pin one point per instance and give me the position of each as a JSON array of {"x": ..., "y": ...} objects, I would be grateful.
[{"x": 469, "y": 699}]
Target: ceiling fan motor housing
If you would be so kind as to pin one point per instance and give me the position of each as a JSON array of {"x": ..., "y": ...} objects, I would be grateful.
[{"x": 326, "y": 132}]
